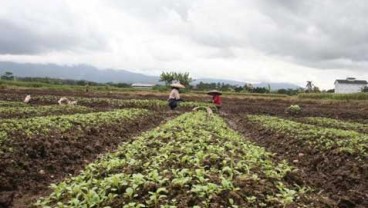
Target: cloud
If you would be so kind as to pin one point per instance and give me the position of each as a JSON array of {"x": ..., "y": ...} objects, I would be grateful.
[
  {"x": 41, "y": 27},
  {"x": 246, "y": 40},
  {"x": 315, "y": 33}
]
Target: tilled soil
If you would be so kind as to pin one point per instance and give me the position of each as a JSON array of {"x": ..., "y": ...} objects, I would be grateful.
[
  {"x": 25, "y": 174},
  {"x": 353, "y": 110},
  {"x": 341, "y": 177},
  {"x": 23, "y": 115},
  {"x": 35, "y": 163}
]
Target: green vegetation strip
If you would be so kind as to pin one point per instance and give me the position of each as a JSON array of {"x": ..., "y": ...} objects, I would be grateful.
[
  {"x": 334, "y": 96},
  {"x": 152, "y": 103},
  {"x": 11, "y": 104},
  {"x": 42, "y": 110},
  {"x": 191, "y": 161},
  {"x": 320, "y": 137},
  {"x": 333, "y": 123},
  {"x": 137, "y": 103},
  {"x": 39, "y": 126}
]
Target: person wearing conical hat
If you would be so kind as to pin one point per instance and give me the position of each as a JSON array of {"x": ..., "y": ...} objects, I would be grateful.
[
  {"x": 216, "y": 99},
  {"x": 174, "y": 97}
]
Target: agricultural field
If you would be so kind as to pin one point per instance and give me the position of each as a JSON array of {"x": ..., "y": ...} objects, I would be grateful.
[{"x": 129, "y": 150}]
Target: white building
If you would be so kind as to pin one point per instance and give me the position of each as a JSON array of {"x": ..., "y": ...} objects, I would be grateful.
[
  {"x": 349, "y": 85},
  {"x": 142, "y": 85}
]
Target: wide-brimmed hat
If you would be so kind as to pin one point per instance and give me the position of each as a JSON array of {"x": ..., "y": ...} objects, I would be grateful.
[
  {"x": 214, "y": 92},
  {"x": 177, "y": 85}
]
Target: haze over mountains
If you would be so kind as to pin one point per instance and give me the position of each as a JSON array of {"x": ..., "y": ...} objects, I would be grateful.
[{"x": 91, "y": 73}]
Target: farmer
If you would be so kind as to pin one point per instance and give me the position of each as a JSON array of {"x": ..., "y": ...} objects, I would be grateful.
[
  {"x": 174, "y": 97},
  {"x": 216, "y": 99},
  {"x": 27, "y": 99},
  {"x": 65, "y": 100}
]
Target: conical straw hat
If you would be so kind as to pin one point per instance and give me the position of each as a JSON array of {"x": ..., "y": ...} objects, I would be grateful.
[
  {"x": 177, "y": 85},
  {"x": 214, "y": 92}
]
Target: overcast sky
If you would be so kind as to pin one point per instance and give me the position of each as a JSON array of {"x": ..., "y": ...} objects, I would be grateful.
[{"x": 253, "y": 41}]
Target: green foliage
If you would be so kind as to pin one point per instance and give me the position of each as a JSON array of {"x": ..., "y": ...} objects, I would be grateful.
[
  {"x": 7, "y": 76},
  {"x": 288, "y": 91},
  {"x": 191, "y": 158},
  {"x": 161, "y": 88},
  {"x": 260, "y": 90},
  {"x": 29, "y": 111},
  {"x": 334, "y": 96},
  {"x": 66, "y": 85},
  {"x": 60, "y": 124},
  {"x": 169, "y": 77},
  {"x": 365, "y": 89},
  {"x": 219, "y": 86},
  {"x": 350, "y": 142},
  {"x": 293, "y": 109},
  {"x": 11, "y": 104},
  {"x": 333, "y": 123},
  {"x": 131, "y": 103}
]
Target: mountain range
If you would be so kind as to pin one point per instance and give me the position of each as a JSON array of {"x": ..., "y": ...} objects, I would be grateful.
[{"x": 91, "y": 73}]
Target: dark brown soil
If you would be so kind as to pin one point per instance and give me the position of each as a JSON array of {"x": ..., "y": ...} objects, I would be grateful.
[
  {"x": 36, "y": 163},
  {"x": 20, "y": 115},
  {"x": 341, "y": 177},
  {"x": 340, "y": 110}
]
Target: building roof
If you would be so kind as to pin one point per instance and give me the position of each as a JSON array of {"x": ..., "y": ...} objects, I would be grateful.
[
  {"x": 142, "y": 85},
  {"x": 344, "y": 81}
]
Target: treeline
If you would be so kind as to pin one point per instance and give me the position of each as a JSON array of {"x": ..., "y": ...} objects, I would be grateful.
[
  {"x": 55, "y": 81},
  {"x": 247, "y": 88}
]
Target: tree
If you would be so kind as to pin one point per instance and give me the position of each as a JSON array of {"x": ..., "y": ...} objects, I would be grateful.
[
  {"x": 7, "y": 76},
  {"x": 309, "y": 86},
  {"x": 238, "y": 88},
  {"x": 169, "y": 77},
  {"x": 316, "y": 89},
  {"x": 365, "y": 89},
  {"x": 260, "y": 90},
  {"x": 248, "y": 87}
]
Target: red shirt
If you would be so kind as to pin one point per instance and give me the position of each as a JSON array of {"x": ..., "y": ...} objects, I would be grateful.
[{"x": 216, "y": 100}]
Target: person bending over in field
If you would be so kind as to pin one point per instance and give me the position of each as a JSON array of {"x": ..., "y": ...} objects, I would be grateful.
[
  {"x": 27, "y": 100},
  {"x": 65, "y": 100},
  {"x": 174, "y": 97},
  {"x": 216, "y": 99}
]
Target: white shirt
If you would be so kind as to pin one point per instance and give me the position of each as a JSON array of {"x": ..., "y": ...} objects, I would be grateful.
[{"x": 174, "y": 94}]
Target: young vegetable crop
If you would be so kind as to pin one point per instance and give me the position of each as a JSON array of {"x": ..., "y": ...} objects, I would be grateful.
[
  {"x": 333, "y": 123},
  {"x": 195, "y": 160},
  {"x": 135, "y": 103},
  {"x": 141, "y": 103},
  {"x": 29, "y": 111},
  {"x": 324, "y": 138},
  {"x": 11, "y": 104},
  {"x": 59, "y": 124}
]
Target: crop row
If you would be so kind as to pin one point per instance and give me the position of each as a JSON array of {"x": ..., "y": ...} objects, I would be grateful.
[
  {"x": 191, "y": 161},
  {"x": 120, "y": 103},
  {"x": 152, "y": 103},
  {"x": 320, "y": 137},
  {"x": 11, "y": 104},
  {"x": 333, "y": 123},
  {"x": 60, "y": 124},
  {"x": 28, "y": 111}
]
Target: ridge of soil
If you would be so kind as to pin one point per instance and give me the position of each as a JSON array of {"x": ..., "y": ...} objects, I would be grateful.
[
  {"x": 341, "y": 177},
  {"x": 338, "y": 110},
  {"x": 35, "y": 163}
]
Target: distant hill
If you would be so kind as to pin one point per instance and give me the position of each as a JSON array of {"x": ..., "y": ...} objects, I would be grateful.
[
  {"x": 276, "y": 86},
  {"x": 90, "y": 73},
  {"x": 76, "y": 72},
  {"x": 226, "y": 81}
]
